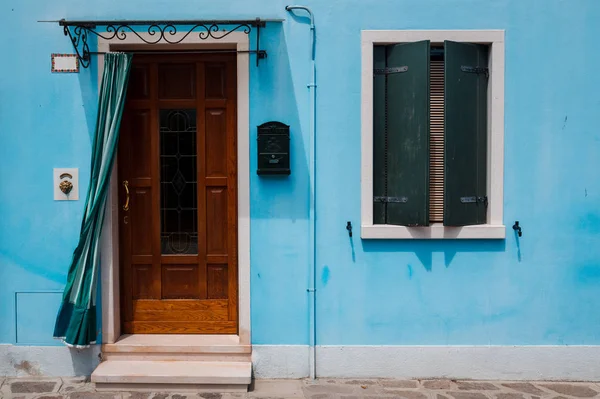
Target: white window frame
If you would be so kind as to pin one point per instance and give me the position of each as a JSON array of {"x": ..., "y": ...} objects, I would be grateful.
[{"x": 494, "y": 229}]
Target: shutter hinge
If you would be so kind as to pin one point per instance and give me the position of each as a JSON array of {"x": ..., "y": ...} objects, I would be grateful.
[
  {"x": 387, "y": 71},
  {"x": 475, "y": 200},
  {"x": 391, "y": 199},
  {"x": 477, "y": 70}
]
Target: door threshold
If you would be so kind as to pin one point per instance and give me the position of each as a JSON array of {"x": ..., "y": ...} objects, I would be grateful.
[{"x": 178, "y": 343}]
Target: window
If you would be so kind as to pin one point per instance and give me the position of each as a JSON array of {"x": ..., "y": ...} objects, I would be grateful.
[{"x": 432, "y": 134}]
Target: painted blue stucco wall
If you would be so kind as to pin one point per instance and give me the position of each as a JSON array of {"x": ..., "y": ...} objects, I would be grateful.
[{"x": 541, "y": 289}]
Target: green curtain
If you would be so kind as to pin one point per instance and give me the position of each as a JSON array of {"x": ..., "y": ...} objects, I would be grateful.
[{"x": 76, "y": 319}]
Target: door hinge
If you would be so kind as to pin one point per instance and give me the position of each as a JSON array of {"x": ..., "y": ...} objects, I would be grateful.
[
  {"x": 391, "y": 199},
  {"x": 477, "y": 70},
  {"x": 387, "y": 71},
  {"x": 483, "y": 200},
  {"x": 475, "y": 200}
]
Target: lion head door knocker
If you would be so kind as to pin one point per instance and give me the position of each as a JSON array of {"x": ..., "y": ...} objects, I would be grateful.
[{"x": 65, "y": 184}]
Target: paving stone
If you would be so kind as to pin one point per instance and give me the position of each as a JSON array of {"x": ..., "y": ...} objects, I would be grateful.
[
  {"x": 85, "y": 387},
  {"x": 361, "y": 382},
  {"x": 284, "y": 388},
  {"x": 349, "y": 397},
  {"x": 437, "y": 384},
  {"x": 524, "y": 387},
  {"x": 138, "y": 395},
  {"x": 39, "y": 386},
  {"x": 161, "y": 396},
  {"x": 50, "y": 397},
  {"x": 476, "y": 386},
  {"x": 274, "y": 397},
  {"x": 577, "y": 390},
  {"x": 321, "y": 396},
  {"x": 399, "y": 383},
  {"x": 210, "y": 395},
  {"x": 75, "y": 380},
  {"x": 94, "y": 395},
  {"x": 440, "y": 396},
  {"x": 179, "y": 396},
  {"x": 467, "y": 395},
  {"x": 405, "y": 394},
  {"x": 328, "y": 388},
  {"x": 509, "y": 395},
  {"x": 362, "y": 390}
]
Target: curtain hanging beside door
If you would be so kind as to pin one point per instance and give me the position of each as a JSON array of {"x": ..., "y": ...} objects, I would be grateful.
[{"x": 76, "y": 319}]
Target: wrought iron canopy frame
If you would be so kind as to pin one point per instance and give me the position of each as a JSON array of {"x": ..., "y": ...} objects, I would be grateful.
[{"x": 161, "y": 32}]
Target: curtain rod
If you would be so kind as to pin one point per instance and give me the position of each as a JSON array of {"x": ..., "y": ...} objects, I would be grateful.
[
  {"x": 93, "y": 23},
  {"x": 147, "y": 52}
]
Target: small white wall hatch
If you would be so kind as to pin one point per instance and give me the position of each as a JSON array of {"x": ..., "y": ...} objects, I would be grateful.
[{"x": 66, "y": 184}]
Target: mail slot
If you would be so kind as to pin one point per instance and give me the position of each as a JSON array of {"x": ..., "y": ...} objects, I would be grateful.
[{"x": 273, "y": 149}]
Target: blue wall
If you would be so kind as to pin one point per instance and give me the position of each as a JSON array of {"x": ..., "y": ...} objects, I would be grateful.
[{"x": 369, "y": 292}]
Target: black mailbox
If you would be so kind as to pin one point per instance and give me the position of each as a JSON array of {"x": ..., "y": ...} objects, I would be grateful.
[{"x": 273, "y": 149}]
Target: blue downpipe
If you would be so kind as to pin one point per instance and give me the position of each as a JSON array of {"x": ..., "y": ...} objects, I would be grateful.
[{"x": 312, "y": 269}]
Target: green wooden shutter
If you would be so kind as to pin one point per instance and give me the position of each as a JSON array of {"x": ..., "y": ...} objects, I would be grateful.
[
  {"x": 379, "y": 137},
  {"x": 466, "y": 79},
  {"x": 401, "y": 132}
]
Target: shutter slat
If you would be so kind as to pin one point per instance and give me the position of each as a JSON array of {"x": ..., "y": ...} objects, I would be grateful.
[{"x": 436, "y": 141}]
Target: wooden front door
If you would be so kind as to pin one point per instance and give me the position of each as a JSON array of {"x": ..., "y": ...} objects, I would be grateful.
[{"x": 178, "y": 196}]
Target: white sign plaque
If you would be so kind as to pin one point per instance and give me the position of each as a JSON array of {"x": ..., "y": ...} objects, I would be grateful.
[{"x": 65, "y": 63}]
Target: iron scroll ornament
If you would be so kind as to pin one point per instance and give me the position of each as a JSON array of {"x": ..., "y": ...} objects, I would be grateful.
[{"x": 160, "y": 32}]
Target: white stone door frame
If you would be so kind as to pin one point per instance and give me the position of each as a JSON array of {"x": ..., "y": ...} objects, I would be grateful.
[{"x": 109, "y": 275}]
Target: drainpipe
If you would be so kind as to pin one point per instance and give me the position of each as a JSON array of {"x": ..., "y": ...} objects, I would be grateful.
[{"x": 312, "y": 88}]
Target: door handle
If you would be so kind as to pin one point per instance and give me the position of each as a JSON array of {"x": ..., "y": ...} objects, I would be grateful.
[{"x": 126, "y": 185}]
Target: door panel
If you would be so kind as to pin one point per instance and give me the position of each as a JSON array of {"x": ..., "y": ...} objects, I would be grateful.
[
  {"x": 140, "y": 206},
  {"x": 177, "y": 152},
  {"x": 216, "y": 221},
  {"x": 216, "y": 86},
  {"x": 139, "y": 83},
  {"x": 177, "y": 81},
  {"x": 216, "y": 144},
  {"x": 217, "y": 281},
  {"x": 141, "y": 281}
]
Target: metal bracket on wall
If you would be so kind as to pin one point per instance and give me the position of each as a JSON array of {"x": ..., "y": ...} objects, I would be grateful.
[
  {"x": 161, "y": 32},
  {"x": 475, "y": 200},
  {"x": 389, "y": 70},
  {"x": 398, "y": 200},
  {"x": 468, "y": 200},
  {"x": 477, "y": 70}
]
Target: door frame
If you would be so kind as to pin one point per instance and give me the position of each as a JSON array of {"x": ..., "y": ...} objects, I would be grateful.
[{"x": 110, "y": 262}]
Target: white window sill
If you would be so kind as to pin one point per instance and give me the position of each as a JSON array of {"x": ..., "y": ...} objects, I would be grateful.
[{"x": 435, "y": 231}]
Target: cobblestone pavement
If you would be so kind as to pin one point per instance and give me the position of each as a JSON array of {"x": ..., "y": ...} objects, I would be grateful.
[{"x": 81, "y": 388}]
